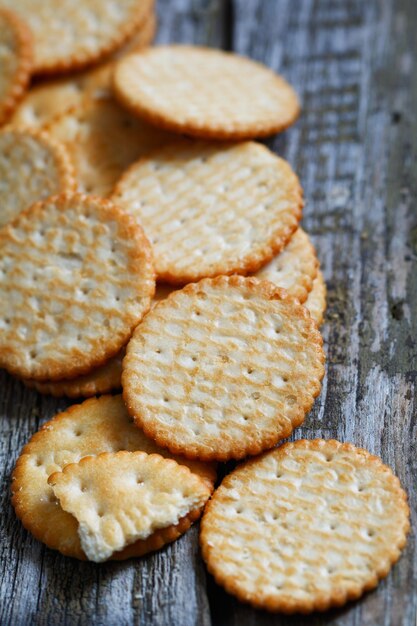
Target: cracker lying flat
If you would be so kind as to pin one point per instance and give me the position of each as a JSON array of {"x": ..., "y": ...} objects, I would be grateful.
[
  {"x": 223, "y": 368},
  {"x": 33, "y": 166},
  {"x": 97, "y": 425},
  {"x": 305, "y": 527},
  {"x": 103, "y": 140},
  {"x": 316, "y": 301},
  {"x": 76, "y": 276},
  {"x": 70, "y": 34},
  {"x": 212, "y": 209},
  {"x": 104, "y": 379},
  {"x": 206, "y": 93},
  {"x": 118, "y": 498},
  {"x": 294, "y": 268},
  {"x": 47, "y": 100},
  {"x": 15, "y": 61}
]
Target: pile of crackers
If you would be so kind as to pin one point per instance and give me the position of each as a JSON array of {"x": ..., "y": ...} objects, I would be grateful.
[{"x": 149, "y": 245}]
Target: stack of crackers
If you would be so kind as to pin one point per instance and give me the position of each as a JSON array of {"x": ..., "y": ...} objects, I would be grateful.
[{"x": 148, "y": 244}]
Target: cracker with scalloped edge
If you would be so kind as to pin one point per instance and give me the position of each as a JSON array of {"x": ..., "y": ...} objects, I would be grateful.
[
  {"x": 316, "y": 301},
  {"x": 16, "y": 57},
  {"x": 103, "y": 140},
  {"x": 76, "y": 276},
  {"x": 103, "y": 379},
  {"x": 223, "y": 368},
  {"x": 205, "y": 92},
  {"x": 95, "y": 426},
  {"x": 119, "y": 498},
  {"x": 211, "y": 209},
  {"x": 69, "y": 35},
  {"x": 33, "y": 166},
  {"x": 305, "y": 527},
  {"x": 294, "y": 268},
  {"x": 47, "y": 100}
]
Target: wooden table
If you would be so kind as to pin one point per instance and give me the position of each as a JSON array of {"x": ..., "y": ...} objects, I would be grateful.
[{"x": 354, "y": 64}]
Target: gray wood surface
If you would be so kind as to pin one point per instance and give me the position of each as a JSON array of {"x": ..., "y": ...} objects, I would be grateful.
[{"x": 354, "y": 64}]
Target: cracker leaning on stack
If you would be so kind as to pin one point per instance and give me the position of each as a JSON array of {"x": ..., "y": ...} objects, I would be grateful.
[{"x": 221, "y": 359}]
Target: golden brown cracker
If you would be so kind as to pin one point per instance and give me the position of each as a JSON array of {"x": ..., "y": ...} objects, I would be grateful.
[
  {"x": 223, "y": 368},
  {"x": 211, "y": 209},
  {"x": 95, "y": 426},
  {"x": 308, "y": 526},
  {"x": 69, "y": 35},
  {"x": 206, "y": 93},
  {"x": 76, "y": 276}
]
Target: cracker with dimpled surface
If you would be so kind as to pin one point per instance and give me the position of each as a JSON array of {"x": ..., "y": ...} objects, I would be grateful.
[
  {"x": 103, "y": 379},
  {"x": 308, "y": 526},
  {"x": 211, "y": 209},
  {"x": 70, "y": 35},
  {"x": 120, "y": 498},
  {"x": 76, "y": 277},
  {"x": 206, "y": 93},
  {"x": 95, "y": 426},
  {"x": 103, "y": 140},
  {"x": 15, "y": 61},
  {"x": 47, "y": 100},
  {"x": 316, "y": 301},
  {"x": 294, "y": 268},
  {"x": 223, "y": 368},
  {"x": 33, "y": 166}
]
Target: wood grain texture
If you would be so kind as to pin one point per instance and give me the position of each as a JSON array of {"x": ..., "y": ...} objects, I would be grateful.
[{"x": 354, "y": 64}]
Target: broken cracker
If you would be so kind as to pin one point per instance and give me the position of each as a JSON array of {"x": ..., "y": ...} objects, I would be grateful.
[
  {"x": 119, "y": 498},
  {"x": 95, "y": 426}
]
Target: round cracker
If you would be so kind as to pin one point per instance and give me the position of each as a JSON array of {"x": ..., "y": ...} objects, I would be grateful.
[
  {"x": 223, "y": 368},
  {"x": 33, "y": 166},
  {"x": 103, "y": 140},
  {"x": 294, "y": 268},
  {"x": 104, "y": 379},
  {"x": 76, "y": 276},
  {"x": 95, "y": 426},
  {"x": 15, "y": 61},
  {"x": 46, "y": 101},
  {"x": 211, "y": 209},
  {"x": 205, "y": 93},
  {"x": 316, "y": 301},
  {"x": 305, "y": 527},
  {"x": 69, "y": 35}
]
